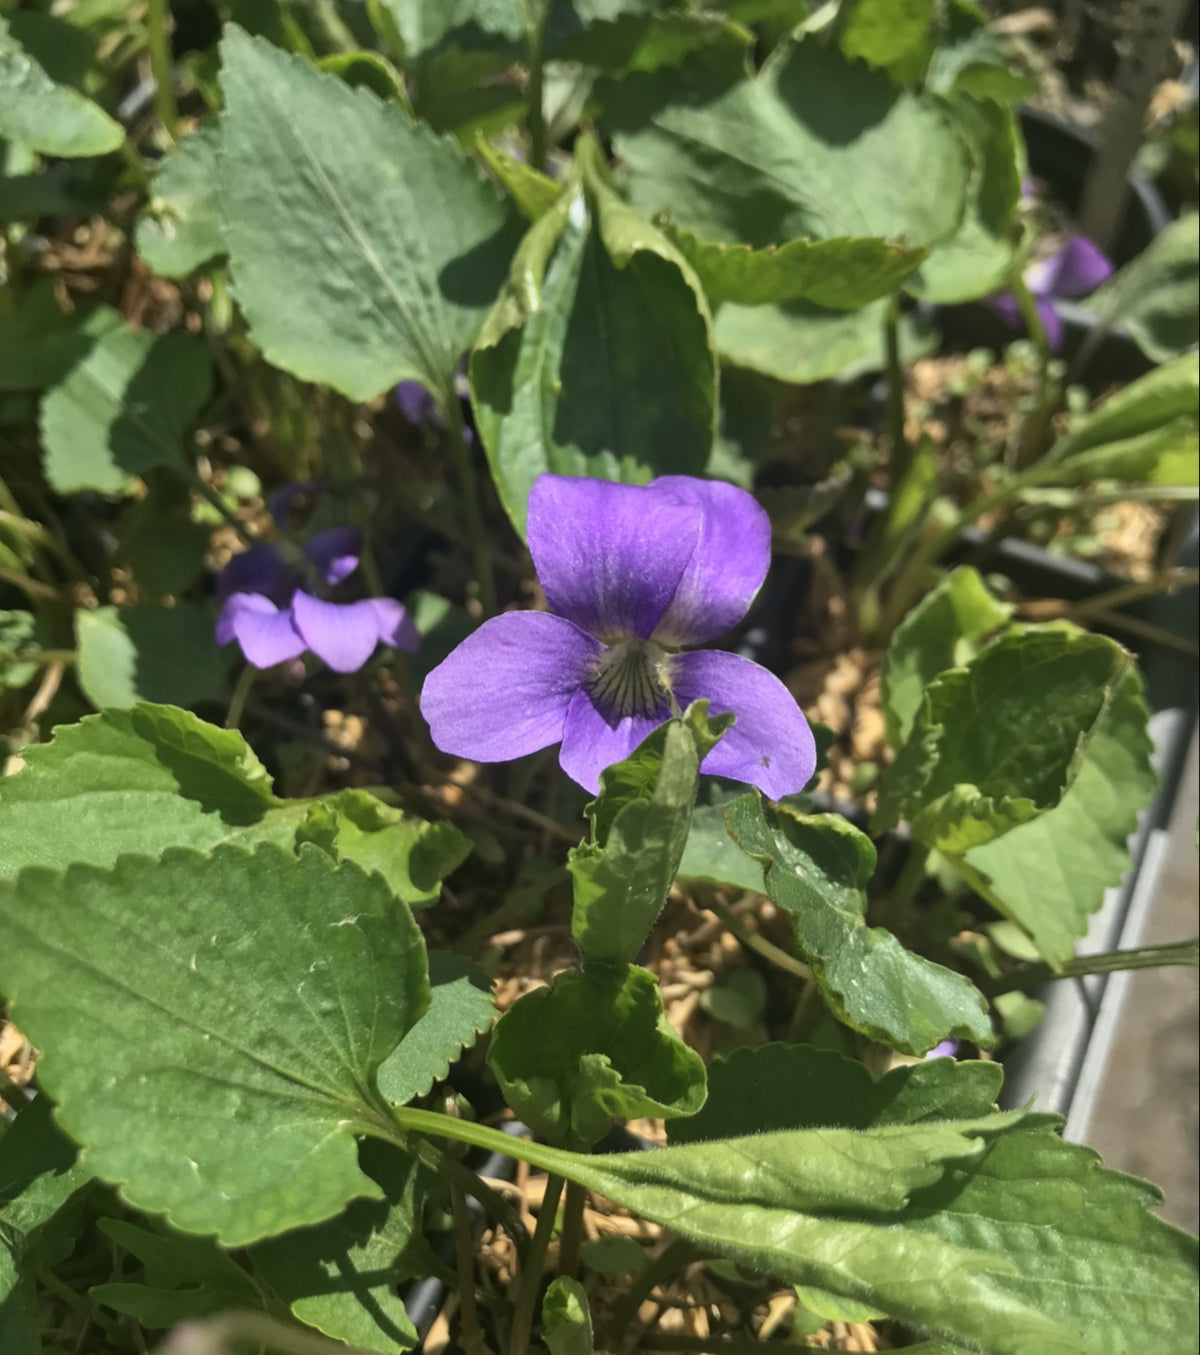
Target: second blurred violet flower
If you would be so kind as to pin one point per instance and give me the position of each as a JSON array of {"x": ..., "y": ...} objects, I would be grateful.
[
  {"x": 275, "y": 604},
  {"x": 1076, "y": 270}
]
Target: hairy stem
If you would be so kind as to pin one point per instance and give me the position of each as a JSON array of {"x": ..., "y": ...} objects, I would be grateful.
[
  {"x": 571, "y": 1241},
  {"x": 468, "y": 483},
  {"x": 464, "y": 1253},
  {"x": 1185, "y": 953}
]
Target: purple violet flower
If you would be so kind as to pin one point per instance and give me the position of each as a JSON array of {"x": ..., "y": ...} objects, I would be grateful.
[
  {"x": 948, "y": 1049},
  {"x": 631, "y": 573},
  {"x": 271, "y": 606},
  {"x": 1077, "y": 269}
]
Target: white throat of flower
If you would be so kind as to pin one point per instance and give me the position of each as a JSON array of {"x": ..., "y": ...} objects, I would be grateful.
[{"x": 632, "y": 678}]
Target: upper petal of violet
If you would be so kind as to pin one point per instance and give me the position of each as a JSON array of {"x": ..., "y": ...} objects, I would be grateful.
[
  {"x": 505, "y": 690},
  {"x": 771, "y": 745},
  {"x": 261, "y": 569},
  {"x": 727, "y": 567},
  {"x": 264, "y": 632},
  {"x": 1077, "y": 269},
  {"x": 609, "y": 556},
  {"x": 344, "y": 635},
  {"x": 335, "y": 551}
]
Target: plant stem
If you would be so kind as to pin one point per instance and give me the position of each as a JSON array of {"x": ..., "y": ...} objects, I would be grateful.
[
  {"x": 901, "y": 453},
  {"x": 1186, "y": 953},
  {"x": 910, "y": 879},
  {"x": 468, "y": 483},
  {"x": 210, "y": 496},
  {"x": 32, "y": 588},
  {"x": 464, "y": 1251},
  {"x": 1033, "y": 433},
  {"x": 1166, "y": 582},
  {"x": 241, "y": 692},
  {"x": 159, "y": 47},
  {"x": 571, "y": 1242},
  {"x": 448, "y": 1166},
  {"x": 536, "y": 93},
  {"x": 530, "y": 1286},
  {"x": 759, "y": 944}
]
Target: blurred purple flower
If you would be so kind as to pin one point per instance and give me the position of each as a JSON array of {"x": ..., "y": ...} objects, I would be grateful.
[
  {"x": 418, "y": 406},
  {"x": 1077, "y": 269},
  {"x": 270, "y": 604},
  {"x": 630, "y": 573},
  {"x": 948, "y": 1049}
]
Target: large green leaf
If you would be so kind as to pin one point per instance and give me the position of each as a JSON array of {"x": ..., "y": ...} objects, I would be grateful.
[
  {"x": 247, "y": 999},
  {"x": 412, "y": 856},
  {"x": 341, "y": 1276},
  {"x": 815, "y": 1207},
  {"x": 816, "y": 869},
  {"x": 1085, "y": 1249},
  {"x": 44, "y": 115},
  {"x": 1155, "y": 296},
  {"x": 597, "y": 358},
  {"x": 711, "y": 854},
  {"x": 124, "y": 409},
  {"x": 40, "y": 342},
  {"x": 1049, "y": 875},
  {"x": 591, "y": 1048},
  {"x": 815, "y": 147},
  {"x": 460, "y": 1010},
  {"x": 794, "y": 1086},
  {"x": 181, "y": 226},
  {"x": 884, "y": 31},
  {"x": 163, "y": 654},
  {"x": 639, "y": 829},
  {"x": 942, "y": 631},
  {"x": 424, "y": 27},
  {"x": 364, "y": 248},
  {"x": 1147, "y": 431},
  {"x": 979, "y": 257},
  {"x": 136, "y": 780},
  {"x": 1000, "y": 741}
]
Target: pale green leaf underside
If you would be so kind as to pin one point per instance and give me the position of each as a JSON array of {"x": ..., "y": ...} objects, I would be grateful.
[
  {"x": 364, "y": 248},
  {"x": 816, "y": 868},
  {"x": 220, "y": 1002},
  {"x": 147, "y": 653}
]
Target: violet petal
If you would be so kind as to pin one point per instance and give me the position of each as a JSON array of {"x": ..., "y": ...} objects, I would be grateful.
[
  {"x": 261, "y": 569},
  {"x": 395, "y": 625},
  {"x": 1078, "y": 268},
  {"x": 335, "y": 552},
  {"x": 1052, "y": 323},
  {"x": 609, "y": 556},
  {"x": 279, "y": 503},
  {"x": 264, "y": 632},
  {"x": 727, "y": 567},
  {"x": 1005, "y": 306},
  {"x": 505, "y": 690},
  {"x": 591, "y": 741},
  {"x": 771, "y": 746},
  {"x": 343, "y": 634},
  {"x": 948, "y": 1049},
  {"x": 416, "y": 403}
]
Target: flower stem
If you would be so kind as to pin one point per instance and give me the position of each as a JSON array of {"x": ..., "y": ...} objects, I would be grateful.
[
  {"x": 468, "y": 483},
  {"x": 1186, "y": 953},
  {"x": 530, "y": 1285},
  {"x": 899, "y": 900},
  {"x": 1033, "y": 433},
  {"x": 759, "y": 944},
  {"x": 464, "y": 1251},
  {"x": 210, "y": 496},
  {"x": 536, "y": 92},
  {"x": 159, "y": 47},
  {"x": 678, "y": 1253},
  {"x": 571, "y": 1241},
  {"x": 241, "y": 692}
]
